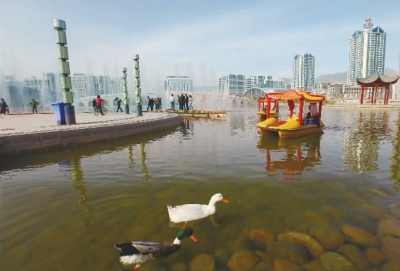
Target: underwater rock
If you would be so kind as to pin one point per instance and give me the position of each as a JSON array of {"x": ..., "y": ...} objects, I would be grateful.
[
  {"x": 333, "y": 261},
  {"x": 355, "y": 255},
  {"x": 314, "y": 265},
  {"x": 375, "y": 256},
  {"x": 373, "y": 211},
  {"x": 395, "y": 211},
  {"x": 179, "y": 267},
  {"x": 292, "y": 251},
  {"x": 243, "y": 260},
  {"x": 263, "y": 266},
  {"x": 260, "y": 238},
  {"x": 265, "y": 256},
  {"x": 329, "y": 237},
  {"x": 203, "y": 262},
  {"x": 221, "y": 254},
  {"x": 391, "y": 266},
  {"x": 392, "y": 244},
  {"x": 391, "y": 227},
  {"x": 315, "y": 248},
  {"x": 359, "y": 236},
  {"x": 282, "y": 265}
]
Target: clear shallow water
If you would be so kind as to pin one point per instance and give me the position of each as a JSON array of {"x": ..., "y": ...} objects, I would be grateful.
[{"x": 64, "y": 211}]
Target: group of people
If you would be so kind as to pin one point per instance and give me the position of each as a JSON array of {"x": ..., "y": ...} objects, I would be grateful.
[
  {"x": 4, "y": 109},
  {"x": 98, "y": 102},
  {"x": 154, "y": 102},
  {"x": 185, "y": 102}
]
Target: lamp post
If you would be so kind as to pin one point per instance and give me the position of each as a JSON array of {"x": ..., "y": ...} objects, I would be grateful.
[
  {"x": 61, "y": 39},
  {"x": 137, "y": 86},
  {"x": 124, "y": 87}
]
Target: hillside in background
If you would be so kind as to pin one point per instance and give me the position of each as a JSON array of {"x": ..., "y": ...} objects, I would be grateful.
[{"x": 341, "y": 77}]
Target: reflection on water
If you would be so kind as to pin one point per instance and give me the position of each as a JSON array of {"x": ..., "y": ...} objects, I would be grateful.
[
  {"x": 65, "y": 210},
  {"x": 143, "y": 162},
  {"x": 395, "y": 167},
  {"x": 290, "y": 156},
  {"x": 362, "y": 140}
]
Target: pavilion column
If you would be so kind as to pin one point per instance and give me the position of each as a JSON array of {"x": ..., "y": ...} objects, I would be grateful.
[
  {"x": 372, "y": 95},
  {"x": 362, "y": 95},
  {"x": 385, "y": 96},
  {"x": 387, "y": 91}
]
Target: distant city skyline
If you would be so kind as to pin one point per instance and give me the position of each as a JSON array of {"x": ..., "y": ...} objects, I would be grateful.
[{"x": 201, "y": 39}]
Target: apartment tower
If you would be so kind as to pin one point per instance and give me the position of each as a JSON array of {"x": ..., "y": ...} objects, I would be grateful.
[
  {"x": 303, "y": 71},
  {"x": 366, "y": 52}
]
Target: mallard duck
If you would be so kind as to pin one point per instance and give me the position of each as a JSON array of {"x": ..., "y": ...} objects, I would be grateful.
[
  {"x": 189, "y": 212},
  {"x": 140, "y": 252}
]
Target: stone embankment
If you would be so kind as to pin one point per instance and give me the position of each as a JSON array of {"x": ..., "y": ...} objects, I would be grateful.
[{"x": 25, "y": 133}]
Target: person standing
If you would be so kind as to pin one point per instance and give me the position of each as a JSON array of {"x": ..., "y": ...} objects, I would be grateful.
[
  {"x": 186, "y": 102},
  {"x": 99, "y": 104},
  {"x": 155, "y": 103},
  {"x": 190, "y": 102},
  {"x": 181, "y": 101},
  {"x": 3, "y": 106},
  {"x": 159, "y": 104},
  {"x": 34, "y": 105},
  {"x": 148, "y": 103},
  {"x": 119, "y": 101},
  {"x": 172, "y": 100}
]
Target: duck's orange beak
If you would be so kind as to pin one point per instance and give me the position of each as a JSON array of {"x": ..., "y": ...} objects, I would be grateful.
[
  {"x": 225, "y": 200},
  {"x": 193, "y": 238}
]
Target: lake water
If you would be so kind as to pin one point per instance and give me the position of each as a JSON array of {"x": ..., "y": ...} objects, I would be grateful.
[{"x": 66, "y": 210}]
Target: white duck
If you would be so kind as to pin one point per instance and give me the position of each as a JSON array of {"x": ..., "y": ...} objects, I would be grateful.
[{"x": 189, "y": 212}]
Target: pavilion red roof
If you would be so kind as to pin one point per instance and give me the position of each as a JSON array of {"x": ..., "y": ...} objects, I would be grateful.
[{"x": 377, "y": 79}]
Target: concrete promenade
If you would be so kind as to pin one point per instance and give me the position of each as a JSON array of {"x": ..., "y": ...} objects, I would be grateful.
[{"x": 24, "y": 133}]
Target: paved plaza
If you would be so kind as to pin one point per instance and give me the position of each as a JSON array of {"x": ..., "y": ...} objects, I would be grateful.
[{"x": 21, "y": 133}]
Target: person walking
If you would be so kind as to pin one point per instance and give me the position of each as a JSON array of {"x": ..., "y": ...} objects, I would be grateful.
[
  {"x": 34, "y": 105},
  {"x": 99, "y": 104},
  {"x": 119, "y": 101}
]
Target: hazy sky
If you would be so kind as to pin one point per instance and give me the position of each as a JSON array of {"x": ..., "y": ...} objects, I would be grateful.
[{"x": 202, "y": 39}]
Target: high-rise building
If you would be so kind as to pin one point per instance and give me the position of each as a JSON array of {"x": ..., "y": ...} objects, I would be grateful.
[
  {"x": 366, "y": 52},
  {"x": 181, "y": 84},
  {"x": 33, "y": 83},
  {"x": 232, "y": 84},
  {"x": 90, "y": 85},
  {"x": 116, "y": 85},
  {"x": 254, "y": 80},
  {"x": 303, "y": 71},
  {"x": 78, "y": 82}
]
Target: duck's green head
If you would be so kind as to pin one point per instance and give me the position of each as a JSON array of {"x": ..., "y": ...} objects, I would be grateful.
[{"x": 186, "y": 232}]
